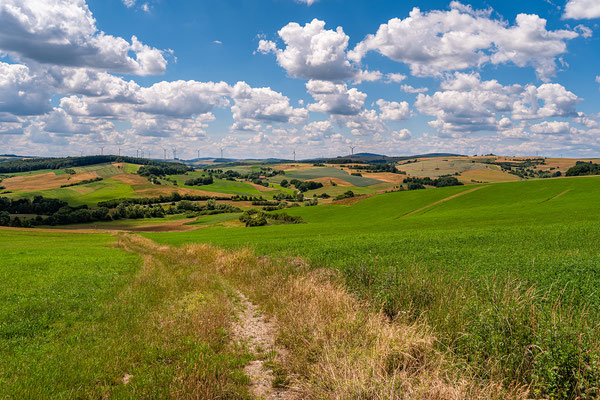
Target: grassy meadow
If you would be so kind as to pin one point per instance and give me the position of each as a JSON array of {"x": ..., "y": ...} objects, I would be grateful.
[
  {"x": 80, "y": 317},
  {"x": 507, "y": 274},
  {"x": 478, "y": 291}
]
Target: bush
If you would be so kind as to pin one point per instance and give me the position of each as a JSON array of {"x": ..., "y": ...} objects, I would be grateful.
[
  {"x": 346, "y": 195},
  {"x": 259, "y": 218},
  {"x": 202, "y": 180},
  {"x": 415, "y": 186}
]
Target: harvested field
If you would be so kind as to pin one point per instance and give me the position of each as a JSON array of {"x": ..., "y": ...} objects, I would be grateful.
[
  {"x": 389, "y": 177},
  {"x": 131, "y": 179},
  {"x": 157, "y": 191},
  {"x": 487, "y": 176},
  {"x": 261, "y": 188},
  {"x": 45, "y": 181}
]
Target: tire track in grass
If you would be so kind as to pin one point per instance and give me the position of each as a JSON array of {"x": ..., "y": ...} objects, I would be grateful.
[
  {"x": 555, "y": 197},
  {"x": 441, "y": 201}
]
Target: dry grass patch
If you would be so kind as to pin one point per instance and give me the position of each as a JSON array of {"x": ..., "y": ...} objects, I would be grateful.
[
  {"x": 261, "y": 188},
  {"x": 487, "y": 176},
  {"x": 337, "y": 346},
  {"x": 166, "y": 190},
  {"x": 131, "y": 179},
  {"x": 45, "y": 181}
]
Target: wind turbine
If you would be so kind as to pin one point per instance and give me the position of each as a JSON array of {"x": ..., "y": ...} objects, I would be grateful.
[
  {"x": 165, "y": 153},
  {"x": 352, "y": 149},
  {"x": 119, "y": 152},
  {"x": 294, "y": 155},
  {"x": 222, "y": 148},
  {"x": 198, "y": 153},
  {"x": 102, "y": 150},
  {"x": 174, "y": 153},
  {"x": 137, "y": 153}
]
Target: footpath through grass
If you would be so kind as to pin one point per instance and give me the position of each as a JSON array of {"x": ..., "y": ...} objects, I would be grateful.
[{"x": 507, "y": 275}]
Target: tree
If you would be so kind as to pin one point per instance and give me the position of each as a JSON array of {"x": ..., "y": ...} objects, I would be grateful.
[{"x": 4, "y": 218}]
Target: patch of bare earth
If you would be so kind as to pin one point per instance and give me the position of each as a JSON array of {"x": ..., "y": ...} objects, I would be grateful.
[
  {"x": 258, "y": 333},
  {"x": 389, "y": 177},
  {"x": 131, "y": 179},
  {"x": 261, "y": 188},
  {"x": 351, "y": 200},
  {"x": 45, "y": 181},
  {"x": 326, "y": 181},
  {"x": 157, "y": 191}
]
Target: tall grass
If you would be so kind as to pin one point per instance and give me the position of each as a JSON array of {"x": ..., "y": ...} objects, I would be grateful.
[{"x": 339, "y": 347}]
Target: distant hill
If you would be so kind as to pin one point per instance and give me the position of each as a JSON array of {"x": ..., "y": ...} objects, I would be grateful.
[{"x": 367, "y": 155}]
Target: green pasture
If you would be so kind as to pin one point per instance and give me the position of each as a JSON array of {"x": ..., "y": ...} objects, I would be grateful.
[
  {"x": 51, "y": 286},
  {"x": 81, "y": 318},
  {"x": 89, "y": 194},
  {"x": 499, "y": 228},
  {"x": 227, "y": 187},
  {"x": 507, "y": 274}
]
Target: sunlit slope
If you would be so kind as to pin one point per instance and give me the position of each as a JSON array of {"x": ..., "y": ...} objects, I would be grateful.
[{"x": 545, "y": 231}]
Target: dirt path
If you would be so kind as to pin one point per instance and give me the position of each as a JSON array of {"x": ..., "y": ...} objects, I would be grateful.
[
  {"x": 258, "y": 334},
  {"x": 442, "y": 201}
]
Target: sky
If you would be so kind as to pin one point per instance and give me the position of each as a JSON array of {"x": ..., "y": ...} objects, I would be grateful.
[{"x": 265, "y": 78}]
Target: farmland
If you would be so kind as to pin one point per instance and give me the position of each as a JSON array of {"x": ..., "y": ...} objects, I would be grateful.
[
  {"x": 499, "y": 279},
  {"x": 501, "y": 238}
]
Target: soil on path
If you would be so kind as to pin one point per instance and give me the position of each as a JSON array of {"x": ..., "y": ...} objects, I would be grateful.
[{"x": 258, "y": 333}]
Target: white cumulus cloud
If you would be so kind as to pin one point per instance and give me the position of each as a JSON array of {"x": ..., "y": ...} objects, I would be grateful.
[
  {"x": 335, "y": 98},
  {"x": 582, "y": 9},
  {"x": 438, "y": 41},
  {"x": 313, "y": 52},
  {"x": 63, "y": 32}
]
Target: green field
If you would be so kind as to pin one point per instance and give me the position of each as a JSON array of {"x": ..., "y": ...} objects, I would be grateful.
[
  {"x": 82, "y": 319},
  {"x": 504, "y": 275},
  {"x": 103, "y": 170},
  {"x": 492, "y": 270},
  {"x": 52, "y": 285},
  {"x": 498, "y": 228},
  {"x": 88, "y": 194}
]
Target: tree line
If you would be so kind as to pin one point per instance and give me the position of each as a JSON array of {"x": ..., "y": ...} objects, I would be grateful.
[
  {"x": 414, "y": 183},
  {"x": 302, "y": 186},
  {"x": 35, "y": 164},
  {"x": 584, "y": 168},
  {"x": 200, "y": 181},
  {"x": 170, "y": 198},
  {"x": 259, "y": 218},
  {"x": 86, "y": 181}
]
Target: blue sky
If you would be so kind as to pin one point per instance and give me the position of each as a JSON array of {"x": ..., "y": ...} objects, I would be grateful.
[{"x": 264, "y": 77}]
